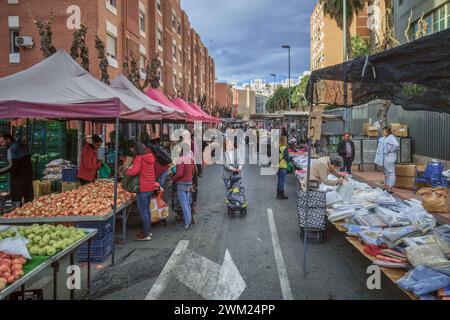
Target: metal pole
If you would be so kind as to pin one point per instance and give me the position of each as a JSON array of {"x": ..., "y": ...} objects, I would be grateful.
[
  {"x": 289, "y": 53},
  {"x": 116, "y": 176},
  {"x": 344, "y": 10}
]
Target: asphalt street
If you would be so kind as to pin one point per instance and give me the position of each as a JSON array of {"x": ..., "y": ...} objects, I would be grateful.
[{"x": 264, "y": 254}]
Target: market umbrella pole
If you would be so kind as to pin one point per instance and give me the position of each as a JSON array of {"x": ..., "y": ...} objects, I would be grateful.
[{"x": 116, "y": 176}]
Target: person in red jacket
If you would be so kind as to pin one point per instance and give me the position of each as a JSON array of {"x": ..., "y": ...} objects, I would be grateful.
[
  {"x": 89, "y": 163},
  {"x": 183, "y": 178},
  {"x": 144, "y": 166}
]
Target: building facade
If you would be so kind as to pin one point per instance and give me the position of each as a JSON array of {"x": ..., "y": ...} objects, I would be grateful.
[
  {"x": 141, "y": 28},
  {"x": 327, "y": 38},
  {"x": 407, "y": 14},
  {"x": 245, "y": 103},
  {"x": 261, "y": 102},
  {"x": 224, "y": 95}
]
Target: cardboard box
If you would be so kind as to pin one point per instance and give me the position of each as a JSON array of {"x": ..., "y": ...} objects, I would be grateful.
[
  {"x": 405, "y": 170},
  {"x": 399, "y": 130},
  {"x": 405, "y": 182},
  {"x": 370, "y": 130}
]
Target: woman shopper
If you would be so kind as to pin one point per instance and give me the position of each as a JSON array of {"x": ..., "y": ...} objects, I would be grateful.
[
  {"x": 282, "y": 168},
  {"x": 89, "y": 163},
  {"x": 387, "y": 157},
  {"x": 233, "y": 163},
  {"x": 183, "y": 178},
  {"x": 144, "y": 167}
]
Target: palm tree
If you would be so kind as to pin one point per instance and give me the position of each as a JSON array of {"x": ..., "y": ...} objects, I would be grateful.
[{"x": 335, "y": 9}]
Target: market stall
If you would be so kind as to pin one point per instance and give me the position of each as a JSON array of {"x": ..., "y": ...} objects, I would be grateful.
[
  {"x": 388, "y": 75},
  {"x": 29, "y": 264},
  {"x": 70, "y": 92}
]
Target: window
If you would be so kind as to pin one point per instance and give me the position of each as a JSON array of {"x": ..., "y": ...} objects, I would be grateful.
[
  {"x": 142, "y": 63},
  {"x": 111, "y": 44},
  {"x": 437, "y": 20},
  {"x": 112, "y": 2},
  {"x": 158, "y": 6},
  {"x": 13, "y": 34},
  {"x": 174, "y": 80},
  {"x": 141, "y": 21},
  {"x": 159, "y": 37},
  {"x": 179, "y": 27},
  {"x": 180, "y": 55},
  {"x": 174, "y": 22},
  {"x": 174, "y": 52}
]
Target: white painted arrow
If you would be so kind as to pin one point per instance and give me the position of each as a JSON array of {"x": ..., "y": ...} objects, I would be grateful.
[{"x": 205, "y": 277}]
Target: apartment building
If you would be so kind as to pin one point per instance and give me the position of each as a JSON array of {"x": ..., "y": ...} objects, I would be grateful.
[
  {"x": 224, "y": 95},
  {"x": 327, "y": 38},
  {"x": 127, "y": 27},
  {"x": 245, "y": 103}
]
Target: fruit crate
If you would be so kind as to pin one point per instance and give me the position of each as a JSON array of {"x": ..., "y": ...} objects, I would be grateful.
[
  {"x": 103, "y": 227},
  {"x": 68, "y": 186},
  {"x": 41, "y": 188},
  {"x": 70, "y": 175},
  {"x": 100, "y": 250}
]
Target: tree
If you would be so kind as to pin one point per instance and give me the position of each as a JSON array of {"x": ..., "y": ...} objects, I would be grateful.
[
  {"x": 102, "y": 59},
  {"x": 44, "y": 28},
  {"x": 299, "y": 94},
  {"x": 335, "y": 9},
  {"x": 279, "y": 100},
  {"x": 132, "y": 71},
  {"x": 360, "y": 47},
  {"x": 202, "y": 99},
  {"x": 79, "y": 48}
]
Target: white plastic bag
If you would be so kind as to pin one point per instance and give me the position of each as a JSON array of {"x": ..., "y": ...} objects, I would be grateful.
[{"x": 16, "y": 245}]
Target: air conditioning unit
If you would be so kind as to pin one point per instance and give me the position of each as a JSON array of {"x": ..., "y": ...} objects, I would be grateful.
[{"x": 24, "y": 41}]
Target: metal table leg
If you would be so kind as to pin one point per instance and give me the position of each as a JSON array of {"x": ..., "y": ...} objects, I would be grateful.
[
  {"x": 55, "y": 266},
  {"x": 72, "y": 262},
  {"x": 89, "y": 268}
]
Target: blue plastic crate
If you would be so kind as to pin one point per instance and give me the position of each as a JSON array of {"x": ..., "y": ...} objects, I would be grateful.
[
  {"x": 104, "y": 228},
  {"x": 70, "y": 175},
  {"x": 100, "y": 250}
]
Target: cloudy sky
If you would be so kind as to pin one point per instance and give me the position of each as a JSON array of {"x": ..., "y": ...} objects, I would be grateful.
[{"x": 245, "y": 36}]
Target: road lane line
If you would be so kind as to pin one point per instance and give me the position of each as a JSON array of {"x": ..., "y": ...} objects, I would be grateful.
[
  {"x": 163, "y": 279},
  {"x": 281, "y": 267}
]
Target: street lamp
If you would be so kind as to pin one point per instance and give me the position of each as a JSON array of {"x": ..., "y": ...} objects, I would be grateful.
[{"x": 289, "y": 66}]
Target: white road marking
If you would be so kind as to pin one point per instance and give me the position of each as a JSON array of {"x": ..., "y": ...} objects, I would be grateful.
[
  {"x": 161, "y": 283},
  {"x": 281, "y": 267},
  {"x": 208, "y": 279}
]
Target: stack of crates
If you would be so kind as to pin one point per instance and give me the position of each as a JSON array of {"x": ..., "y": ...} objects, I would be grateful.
[
  {"x": 4, "y": 178},
  {"x": 72, "y": 145},
  {"x": 48, "y": 140},
  {"x": 101, "y": 244}
]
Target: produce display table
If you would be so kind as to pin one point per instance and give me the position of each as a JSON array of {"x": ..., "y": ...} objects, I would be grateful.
[
  {"x": 122, "y": 213},
  {"x": 53, "y": 262},
  {"x": 391, "y": 274}
]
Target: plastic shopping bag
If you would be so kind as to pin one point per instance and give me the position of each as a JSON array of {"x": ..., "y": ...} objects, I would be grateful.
[
  {"x": 158, "y": 207},
  {"x": 16, "y": 245}
]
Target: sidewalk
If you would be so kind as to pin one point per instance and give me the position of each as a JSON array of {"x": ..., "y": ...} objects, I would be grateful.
[{"x": 376, "y": 179}]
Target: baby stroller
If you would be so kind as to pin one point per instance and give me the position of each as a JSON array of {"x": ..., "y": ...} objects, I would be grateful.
[{"x": 236, "y": 201}]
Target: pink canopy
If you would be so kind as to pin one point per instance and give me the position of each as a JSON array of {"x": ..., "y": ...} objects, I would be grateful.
[
  {"x": 199, "y": 109},
  {"x": 161, "y": 98},
  {"x": 192, "y": 111}
]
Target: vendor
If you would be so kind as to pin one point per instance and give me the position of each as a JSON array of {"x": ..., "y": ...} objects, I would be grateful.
[
  {"x": 322, "y": 168},
  {"x": 19, "y": 165},
  {"x": 89, "y": 163}
]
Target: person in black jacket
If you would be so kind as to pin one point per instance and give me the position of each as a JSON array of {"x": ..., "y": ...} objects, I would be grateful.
[
  {"x": 346, "y": 150},
  {"x": 19, "y": 165}
]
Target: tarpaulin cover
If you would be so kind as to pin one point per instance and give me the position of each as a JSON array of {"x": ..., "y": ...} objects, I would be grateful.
[
  {"x": 199, "y": 109},
  {"x": 58, "y": 87},
  {"x": 189, "y": 110},
  {"x": 161, "y": 98},
  {"x": 415, "y": 75},
  {"x": 160, "y": 111}
]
